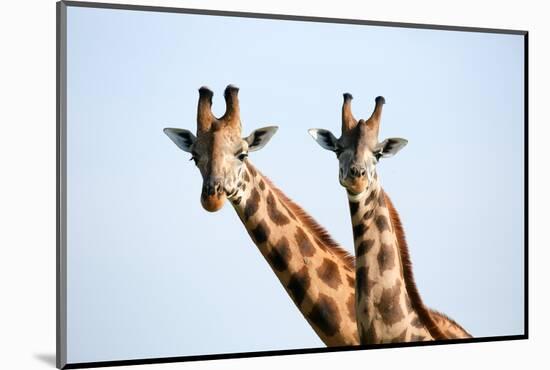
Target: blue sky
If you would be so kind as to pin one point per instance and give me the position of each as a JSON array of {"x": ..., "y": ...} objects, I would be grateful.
[{"x": 151, "y": 274}]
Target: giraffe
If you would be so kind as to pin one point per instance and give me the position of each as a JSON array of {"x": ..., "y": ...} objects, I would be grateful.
[
  {"x": 314, "y": 270},
  {"x": 388, "y": 305}
]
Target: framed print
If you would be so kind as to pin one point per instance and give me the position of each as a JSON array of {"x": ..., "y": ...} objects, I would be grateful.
[{"x": 237, "y": 184}]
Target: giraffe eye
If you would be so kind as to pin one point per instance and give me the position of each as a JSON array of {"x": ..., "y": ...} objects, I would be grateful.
[
  {"x": 194, "y": 158},
  {"x": 242, "y": 156}
]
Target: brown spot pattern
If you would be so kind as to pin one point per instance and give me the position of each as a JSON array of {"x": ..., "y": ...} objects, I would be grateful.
[
  {"x": 368, "y": 214},
  {"x": 276, "y": 216},
  {"x": 262, "y": 185},
  {"x": 386, "y": 258},
  {"x": 329, "y": 273},
  {"x": 351, "y": 281},
  {"x": 411, "y": 288},
  {"x": 280, "y": 255},
  {"x": 358, "y": 230},
  {"x": 389, "y": 307},
  {"x": 369, "y": 336},
  {"x": 382, "y": 223},
  {"x": 363, "y": 285},
  {"x": 252, "y": 204},
  {"x": 353, "y": 207},
  {"x": 364, "y": 247},
  {"x": 304, "y": 243},
  {"x": 408, "y": 304},
  {"x": 350, "y": 304},
  {"x": 298, "y": 285},
  {"x": 261, "y": 232},
  {"x": 370, "y": 198},
  {"x": 401, "y": 337},
  {"x": 246, "y": 176},
  {"x": 362, "y": 333},
  {"x": 325, "y": 316},
  {"x": 360, "y": 279},
  {"x": 417, "y": 323}
]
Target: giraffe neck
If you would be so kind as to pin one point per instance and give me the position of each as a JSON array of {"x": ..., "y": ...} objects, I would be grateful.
[
  {"x": 313, "y": 269},
  {"x": 387, "y": 302}
]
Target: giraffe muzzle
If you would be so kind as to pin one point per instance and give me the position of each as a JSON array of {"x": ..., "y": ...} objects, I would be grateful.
[
  {"x": 213, "y": 203},
  {"x": 357, "y": 171},
  {"x": 355, "y": 185},
  {"x": 213, "y": 195}
]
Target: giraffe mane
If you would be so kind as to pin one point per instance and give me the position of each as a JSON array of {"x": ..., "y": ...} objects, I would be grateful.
[
  {"x": 312, "y": 225},
  {"x": 450, "y": 320},
  {"x": 416, "y": 301}
]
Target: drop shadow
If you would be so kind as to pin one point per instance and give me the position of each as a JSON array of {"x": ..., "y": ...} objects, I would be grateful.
[{"x": 47, "y": 358}]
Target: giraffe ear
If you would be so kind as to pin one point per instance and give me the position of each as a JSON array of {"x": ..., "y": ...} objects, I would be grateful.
[
  {"x": 325, "y": 138},
  {"x": 184, "y": 139},
  {"x": 260, "y": 137},
  {"x": 389, "y": 147}
]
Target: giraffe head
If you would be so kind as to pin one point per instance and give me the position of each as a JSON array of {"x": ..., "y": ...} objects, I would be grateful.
[
  {"x": 358, "y": 149},
  {"x": 218, "y": 150}
]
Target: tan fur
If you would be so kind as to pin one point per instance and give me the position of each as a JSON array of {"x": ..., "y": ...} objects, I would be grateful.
[
  {"x": 410, "y": 284},
  {"x": 314, "y": 228},
  {"x": 388, "y": 304},
  {"x": 447, "y": 325},
  {"x": 319, "y": 289}
]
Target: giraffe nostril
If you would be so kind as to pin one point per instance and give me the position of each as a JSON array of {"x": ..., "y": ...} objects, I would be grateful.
[
  {"x": 357, "y": 171},
  {"x": 213, "y": 187},
  {"x": 210, "y": 190}
]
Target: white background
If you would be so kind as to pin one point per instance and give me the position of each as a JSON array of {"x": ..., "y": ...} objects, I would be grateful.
[
  {"x": 27, "y": 189},
  {"x": 142, "y": 260}
]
